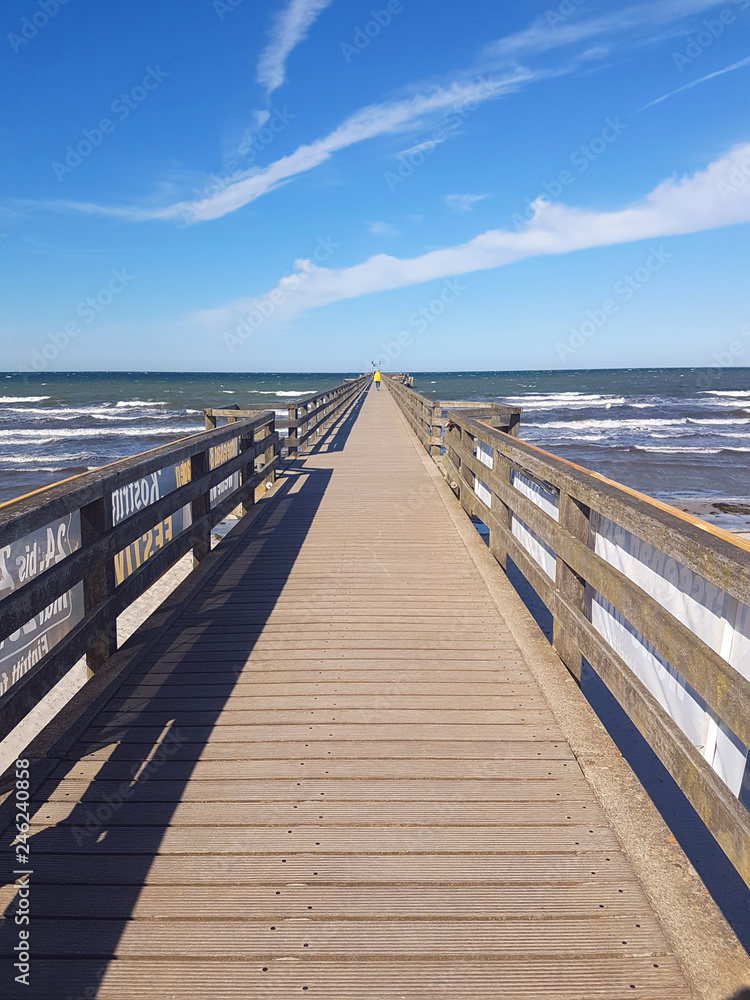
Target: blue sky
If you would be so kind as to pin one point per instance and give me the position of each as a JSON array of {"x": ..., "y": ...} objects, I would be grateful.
[{"x": 307, "y": 185}]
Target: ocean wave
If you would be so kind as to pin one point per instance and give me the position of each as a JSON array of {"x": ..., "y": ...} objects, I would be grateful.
[
  {"x": 124, "y": 403},
  {"x": 93, "y": 412},
  {"x": 565, "y": 401},
  {"x": 47, "y": 435},
  {"x": 660, "y": 449},
  {"x": 23, "y": 399},
  {"x": 25, "y": 460},
  {"x": 725, "y": 392},
  {"x": 632, "y": 423}
]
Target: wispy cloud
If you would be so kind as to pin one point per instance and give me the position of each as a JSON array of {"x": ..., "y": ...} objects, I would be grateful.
[
  {"x": 382, "y": 229},
  {"x": 715, "y": 197},
  {"x": 290, "y": 28},
  {"x": 378, "y": 119},
  {"x": 423, "y": 147},
  {"x": 719, "y": 72},
  {"x": 463, "y": 202},
  {"x": 543, "y": 36}
]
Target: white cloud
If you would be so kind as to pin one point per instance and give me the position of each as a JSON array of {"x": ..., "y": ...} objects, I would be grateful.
[
  {"x": 719, "y": 72},
  {"x": 463, "y": 202},
  {"x": 382, "y": 229},
  {"x": 423, "y": 147},
  {"x": 372, "y": 121},
  {"x": 378, "y": 119},
  {"x": 715, "y": 197},
  {"x": 289, "y": 29},
  {"x": 546, "y": 34}
]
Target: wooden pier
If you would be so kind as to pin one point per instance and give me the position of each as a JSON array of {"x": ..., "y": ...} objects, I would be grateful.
[{"x": 339, "y": 761}]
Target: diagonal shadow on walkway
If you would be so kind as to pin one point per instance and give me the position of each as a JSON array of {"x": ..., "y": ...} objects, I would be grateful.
[{"x": 148, "y": 739}]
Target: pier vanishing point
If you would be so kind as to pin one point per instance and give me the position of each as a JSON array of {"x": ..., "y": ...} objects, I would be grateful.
[{"x": 341, "y": 760}]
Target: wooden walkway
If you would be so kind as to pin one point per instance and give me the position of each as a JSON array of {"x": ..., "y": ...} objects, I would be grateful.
[{"x": 336, "y": 776}]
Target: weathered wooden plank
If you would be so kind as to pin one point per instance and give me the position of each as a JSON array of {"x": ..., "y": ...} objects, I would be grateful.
[
  {"x": 259, "y": 733},
  {"x": 353, "y": 902},
  {"x": 316, "y": 939},
  {"x": 171, "y": 787},
  {"x": 597, "y": 870},
  {"x": 414, "y": 748},
  {"x": 278, "y": 979},
  {"x": 231, "y": 813},
  {"x": 188, "y": 720},
  {"x": 206, "y": 840}
]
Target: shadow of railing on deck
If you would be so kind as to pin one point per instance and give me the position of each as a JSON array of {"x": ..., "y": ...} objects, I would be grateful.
[
  {"x": 339, "y": 433},
  {"x": 90, "y": 867}
]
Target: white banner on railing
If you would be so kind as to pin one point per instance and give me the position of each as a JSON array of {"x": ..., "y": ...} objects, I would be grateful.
[
  {"x": 128, "y": 500},
  {"x": 20, "y": 563},
  {"x": 711, "y": 614},
  {"x": 483, "y": 491},
  {"x": 545, "y": 497},
  {"x": 218, "y": 456},
  {"x": 537, "y": 549},
  {"x": 484, "y": 453}
]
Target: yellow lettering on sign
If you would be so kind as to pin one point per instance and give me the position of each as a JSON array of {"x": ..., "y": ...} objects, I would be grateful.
[{"x": 182, "y": 473}]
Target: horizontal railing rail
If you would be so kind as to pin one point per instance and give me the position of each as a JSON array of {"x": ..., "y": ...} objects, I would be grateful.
[
  {"x": 75, "y": 555},
  {"x": 310, "y": 417},
  {"x": 427, "y": 416},
  {"x": 657, "y": 602}
]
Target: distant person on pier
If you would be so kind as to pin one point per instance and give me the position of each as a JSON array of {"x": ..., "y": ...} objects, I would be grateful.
[{"x": 377, "y": 379}]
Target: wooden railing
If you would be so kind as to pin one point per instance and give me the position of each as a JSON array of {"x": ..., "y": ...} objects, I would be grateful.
[
  {"x": 75, "y": 555},
  {"x": 427, "y": 416},
  {"x": 656, "y": 601},
  {"x": 310, "y": 417}
]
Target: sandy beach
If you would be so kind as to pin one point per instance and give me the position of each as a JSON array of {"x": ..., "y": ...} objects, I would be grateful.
[{"x": 731, "y": 515}]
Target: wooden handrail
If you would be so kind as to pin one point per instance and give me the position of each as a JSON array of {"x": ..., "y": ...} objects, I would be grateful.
[
  {"x": 565, "y": 528},
  {"x": 311, "y": 416},
  {"x": 78, "y": 553}
]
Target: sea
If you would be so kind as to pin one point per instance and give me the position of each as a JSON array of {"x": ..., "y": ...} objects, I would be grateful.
[{"x": 673, "y": 433}]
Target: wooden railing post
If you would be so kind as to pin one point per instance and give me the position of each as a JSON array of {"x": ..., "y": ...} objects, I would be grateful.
[
  {"x": 247, "y": 443},
  {"x": 501, "y": 513},
  {"x": 270, "y": 453},
  {"x": 99, "y": 582},
  {"x": 436, "y": 429},
  {"x": 199, "y": 467},
  {"x": 574, "y": 518},
  {"x": 292, "y": 430}
]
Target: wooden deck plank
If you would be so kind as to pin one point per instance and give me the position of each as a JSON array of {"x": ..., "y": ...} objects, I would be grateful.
[
  {"x": 297, "y": 789},
  {"x": 353, "y": 902},
  {"x": 595, "y": 869},
  {"x": 486, "y": 751},
  {"x": 239, "y": 811},
  {"x": 278, "y": 979},
  {"x": 315, "y": 939}
]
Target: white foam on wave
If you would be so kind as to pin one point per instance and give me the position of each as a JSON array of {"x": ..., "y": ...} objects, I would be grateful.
[
  {"x": 290, "y": 392},
  {"x": 726, "y": 392},
  {"x": 563, "y": 400},
  {"x": 42, "y": 435},
  {"x": 124, "y": 403},
  {"x": 675, "y": 450},
  {"x": 25, "y": 460},
  {"x": 94, "y": 412},
  {"x": 642, "y": 424},
  {"x": 23, "y": 399}
]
